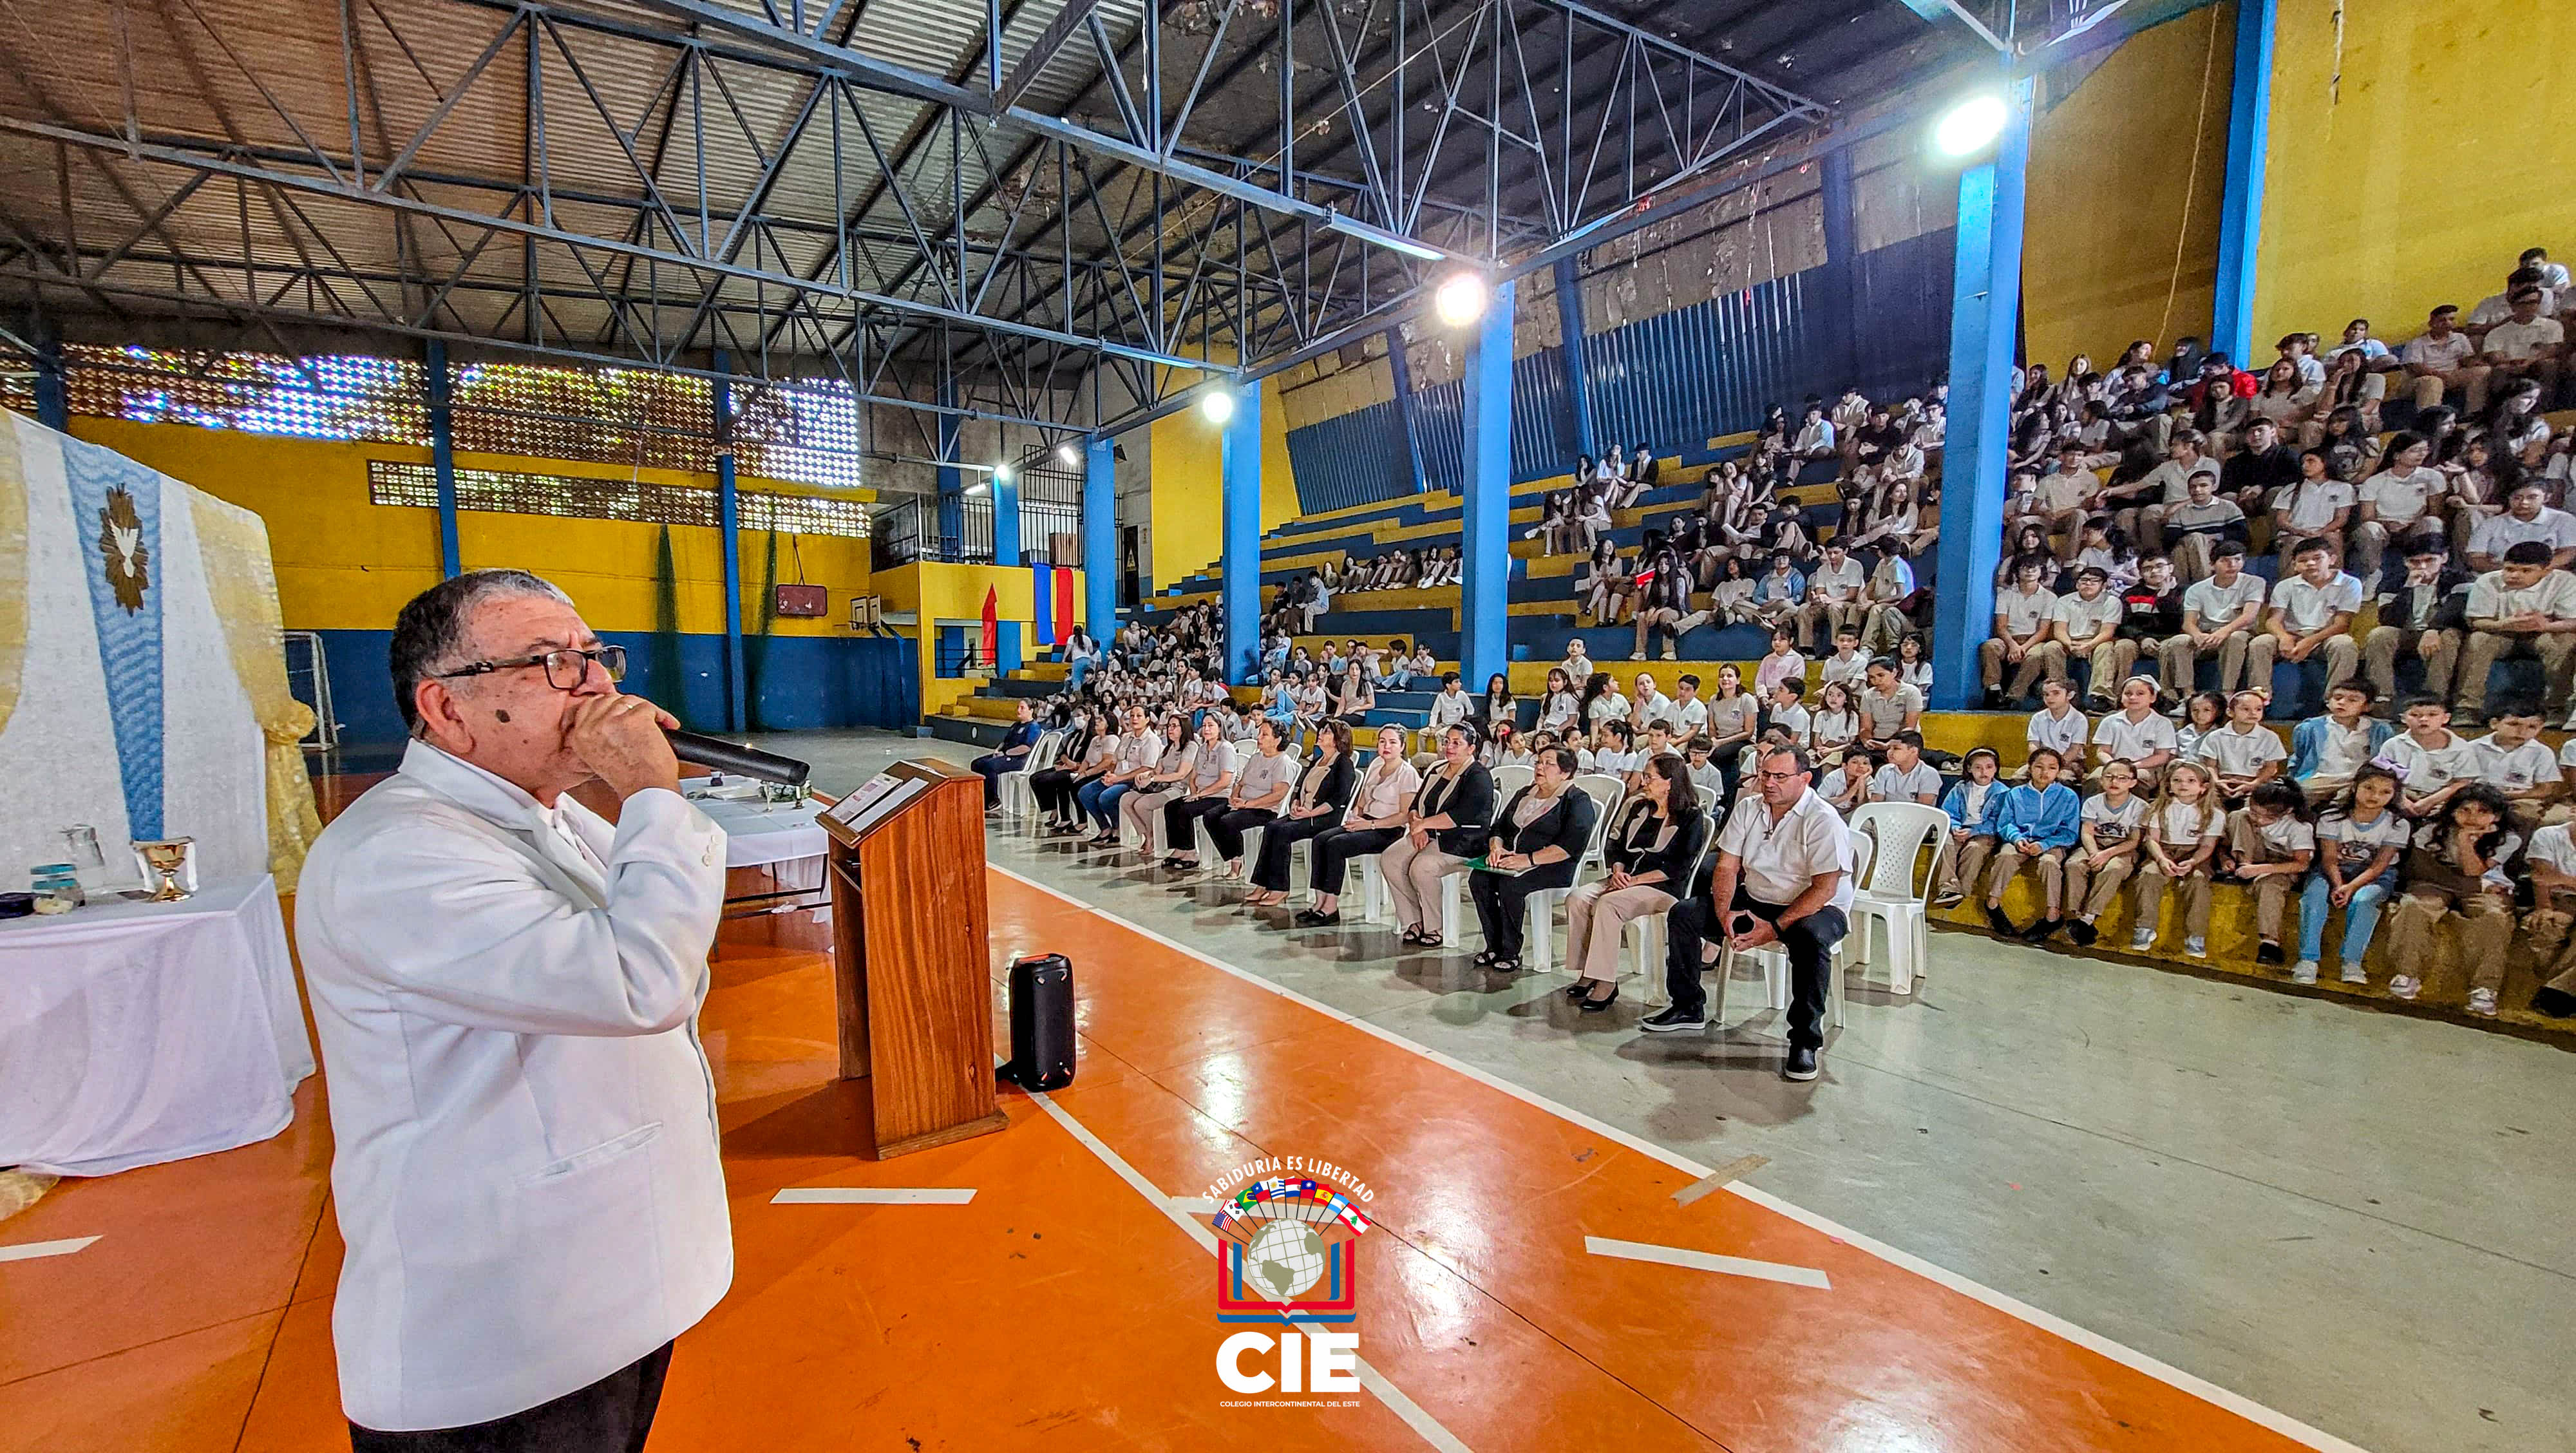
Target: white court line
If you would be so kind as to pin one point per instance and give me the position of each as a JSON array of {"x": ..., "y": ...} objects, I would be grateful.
[
  {"x": 1796, "y": 1276},
  {"x": 1370, "y": 1378},
  {"x": 32, "y": 1250},
  {"x": 1191, "y": 1205},
  {"x": 2094, "y": 1342},
  {"x": 872, "y": 1196}
]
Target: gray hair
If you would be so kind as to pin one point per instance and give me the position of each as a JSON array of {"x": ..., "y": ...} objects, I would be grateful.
[{"x": 436, "y": 627}]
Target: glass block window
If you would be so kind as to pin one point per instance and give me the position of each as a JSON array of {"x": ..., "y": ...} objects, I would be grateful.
[
  {"x": 807, "y": 432},
  {"x": 377, "y": 400},
  {"x": 415, "y": 486},
  {"x": 625, "y": 416}
]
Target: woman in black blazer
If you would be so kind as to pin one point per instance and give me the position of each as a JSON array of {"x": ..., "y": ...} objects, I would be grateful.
[
  {"x": 1314, "y": 805},
  {"x": 1658, "y": 840},
  {"x": 1451, "y": 816},
  {"x": 1538, "y": 841}
]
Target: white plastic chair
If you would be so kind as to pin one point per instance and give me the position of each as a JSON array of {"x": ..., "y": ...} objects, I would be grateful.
[
  {"x": 1889, "y": 892},
  {"x": 1019, "y": 799},
  {"x": 1605, "y": 792},
  {"x": 1774, "y": 960},
  {"x": 1508, "y": 780}
]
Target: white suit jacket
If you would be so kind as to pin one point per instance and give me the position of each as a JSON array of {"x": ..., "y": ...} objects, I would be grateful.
[{"x": 526, "y": 1171}]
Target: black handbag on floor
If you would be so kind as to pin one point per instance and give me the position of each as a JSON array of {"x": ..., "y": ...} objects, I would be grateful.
[{"x": 1041, "y": 1023}]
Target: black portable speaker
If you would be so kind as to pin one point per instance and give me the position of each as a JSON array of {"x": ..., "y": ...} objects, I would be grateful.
[{"x": 1041, "y": 1023}]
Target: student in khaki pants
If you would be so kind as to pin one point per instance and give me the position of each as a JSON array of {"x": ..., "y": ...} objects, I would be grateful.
[
  {"x": 2182, "y": 835},
  {"x": 1972, "y": 835},
  {"x": 2453, "y": 866},
  {"x": 2114, "y": 821},
  {"x": 2270, "y": 842}
]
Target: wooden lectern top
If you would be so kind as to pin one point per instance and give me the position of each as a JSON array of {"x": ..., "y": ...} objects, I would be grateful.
[{"x": 911, "y": 966}]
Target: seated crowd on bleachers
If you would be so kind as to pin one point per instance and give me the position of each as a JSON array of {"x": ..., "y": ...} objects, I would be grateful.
[{"x": 2377, "y": 520}]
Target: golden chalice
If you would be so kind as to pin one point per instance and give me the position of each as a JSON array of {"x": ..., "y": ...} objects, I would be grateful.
[{"x": 168, "y": 857}]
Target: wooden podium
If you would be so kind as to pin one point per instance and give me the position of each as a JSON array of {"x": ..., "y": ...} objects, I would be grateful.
[{"x": 910, "y": 970}]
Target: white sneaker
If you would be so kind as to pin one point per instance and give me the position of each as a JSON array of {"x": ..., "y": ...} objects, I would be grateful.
[
  {"x": 2142, "y": 940},
  {"x": 2196, "y": 947},
  {"x": 2482, "y": 1001},
  {"x": 2352, "y": 974},
  {"x": 2404, "y": 986},
  {"x": 2304, "y": 972}
]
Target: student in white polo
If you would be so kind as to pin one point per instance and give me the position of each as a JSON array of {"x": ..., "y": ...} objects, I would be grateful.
[{"x": 2220, "y": 617}]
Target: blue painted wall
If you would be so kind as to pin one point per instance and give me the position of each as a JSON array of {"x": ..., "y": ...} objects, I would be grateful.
[
  {"x": 1351, "y": 459},
  {"x": 796, "y": 683},
  {"x": 1673, "y": 381}
]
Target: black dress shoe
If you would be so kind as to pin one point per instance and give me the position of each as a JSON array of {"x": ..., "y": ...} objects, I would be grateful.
[
  {"x": 2083, "y": 933},
  {"x": 1576, "y": 990},
  {"x": 2039, "y": 932},
  {"x": 1674, "y": 1020},
  {"x": 1801, "y": 1064},
  {"x": 2001, "y": 922},
  {"x": 1309, "y": 918},
  {"x": 2556, "y": 1003},
  {"x": 1590, "y": 1005},
  {"x": 2269, "y": 953}
]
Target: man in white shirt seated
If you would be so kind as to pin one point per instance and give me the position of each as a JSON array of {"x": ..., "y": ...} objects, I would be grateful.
[
  {"x": 2527, "y": 516},
  {"x": 2221, "y": 616},
  {"x": 1834, "y": 604},
  {"x": 2528, "y": 344},
  {"x": 2523, "y": 609},
  {"x": 507, "y": 988},
  {"x": 2443, "y": 357},
  {"x": 2310, "y": 617},
  {"x": 2164, "y": 489},
  {"x": 1783, "y": 875}
]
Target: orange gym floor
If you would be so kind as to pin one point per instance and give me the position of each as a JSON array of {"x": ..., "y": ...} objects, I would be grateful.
[{"x": 1063, "y": 1307}]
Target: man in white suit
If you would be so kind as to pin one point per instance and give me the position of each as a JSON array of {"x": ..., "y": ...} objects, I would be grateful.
[{"x": 507, "y": 989}]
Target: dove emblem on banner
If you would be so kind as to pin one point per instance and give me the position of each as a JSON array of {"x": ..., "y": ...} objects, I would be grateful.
[{"x": 125, "y": 558}]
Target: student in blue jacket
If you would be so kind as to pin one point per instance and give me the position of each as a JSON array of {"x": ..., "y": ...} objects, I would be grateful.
[
  {"x": 2034, "y": 825},
  {"x": 2326, "y": 751}
]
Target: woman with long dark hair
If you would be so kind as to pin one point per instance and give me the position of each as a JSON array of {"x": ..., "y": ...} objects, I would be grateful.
[
  {"x": 1661, "y": 835},
  {"x": 1447, "y": 825},
  {"x": 1313, "y": 808}
]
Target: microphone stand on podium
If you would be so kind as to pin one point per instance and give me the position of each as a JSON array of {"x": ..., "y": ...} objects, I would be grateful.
[{"x": 910, "y": 972}]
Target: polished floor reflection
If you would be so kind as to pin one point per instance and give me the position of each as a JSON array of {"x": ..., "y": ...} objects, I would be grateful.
[{"x": 1952, "y": 1241}]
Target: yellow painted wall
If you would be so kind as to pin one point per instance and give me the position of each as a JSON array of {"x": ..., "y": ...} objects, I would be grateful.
[
  {"x": 2113, "y": 190},
  {"x": 2410, "y": 163},
  {"x": 1188, "y": 504},
  {"x": 344, "y": 563},
  {"x": 954, "y": 594}
]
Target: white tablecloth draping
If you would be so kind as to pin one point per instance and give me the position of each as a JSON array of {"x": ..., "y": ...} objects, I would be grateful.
[
  {"x": 758, "y": 833},
  {"x": 135, "y": 1033}
]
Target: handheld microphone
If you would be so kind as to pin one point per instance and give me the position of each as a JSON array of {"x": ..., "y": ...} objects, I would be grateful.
[{"x": 740, "y": 761}]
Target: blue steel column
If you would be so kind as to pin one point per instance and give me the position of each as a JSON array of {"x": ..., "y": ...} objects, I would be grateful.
[
  {"x": 1840, "y": 303},
  {"x": 1006, "y": 554},
  {"x": 1569, "y": 326},
  {"x": 1402, "y": 367},
  {"x": 2240, "y": 209},
  {"x": 1100, "y": 539},
  {"x": 442, "y": 457},
  {"x": 1240, "y": 570},
  {"x": 728, "y": 520},
  {"x": 1484, "y": 609},
  {"x": 53, "y": 400},
  {"x": 1985, "y": 298}
]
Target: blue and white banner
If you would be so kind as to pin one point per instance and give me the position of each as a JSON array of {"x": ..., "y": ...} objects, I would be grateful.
[{"x": 128, "y": 714}]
